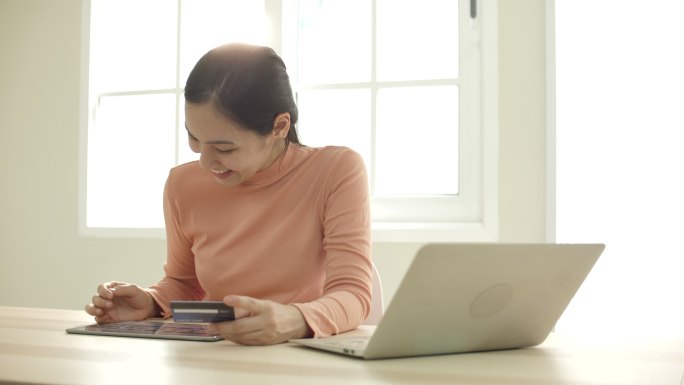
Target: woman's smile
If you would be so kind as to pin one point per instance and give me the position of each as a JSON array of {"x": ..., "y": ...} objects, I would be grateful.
[{"x": 222, "y": 174}]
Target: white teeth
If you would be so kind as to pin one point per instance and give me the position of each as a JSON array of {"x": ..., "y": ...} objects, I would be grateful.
[{"x": 219, "y": 171}]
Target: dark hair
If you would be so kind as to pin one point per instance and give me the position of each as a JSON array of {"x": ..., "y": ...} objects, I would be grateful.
[{"x": 249, "y": 84}]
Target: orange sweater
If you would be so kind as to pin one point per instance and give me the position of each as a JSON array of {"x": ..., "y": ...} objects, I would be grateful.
[{"x": 295, "y": 233}]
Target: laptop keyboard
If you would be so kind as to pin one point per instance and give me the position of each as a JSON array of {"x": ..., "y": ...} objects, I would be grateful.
[{"x": 355, "y": 343}]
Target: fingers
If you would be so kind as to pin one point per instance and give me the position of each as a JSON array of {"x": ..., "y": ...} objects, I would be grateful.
[
  {"x": 101, "y": 315},
  {"x": 105, "y": 294},
  {"x": 102, "y": 301},
  {"x": 91, "y": 309},
  {"x": 251, "y": 323},
  {"x": 246, "y": 331},
  {"x": 263, "y": 322},
  {"x": 106, "y": 290}
]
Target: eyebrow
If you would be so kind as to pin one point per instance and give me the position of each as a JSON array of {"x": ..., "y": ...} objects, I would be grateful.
[{"x": 213, "y": 141}]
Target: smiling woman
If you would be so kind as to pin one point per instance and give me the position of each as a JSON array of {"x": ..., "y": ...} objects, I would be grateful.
[{"x": 277, "y": 230}]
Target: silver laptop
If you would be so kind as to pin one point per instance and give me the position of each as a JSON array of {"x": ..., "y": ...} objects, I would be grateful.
[{"x": 458, "y": 298}]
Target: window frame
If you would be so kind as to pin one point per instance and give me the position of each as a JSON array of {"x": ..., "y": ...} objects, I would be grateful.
[{"x": 470, "y": 216}]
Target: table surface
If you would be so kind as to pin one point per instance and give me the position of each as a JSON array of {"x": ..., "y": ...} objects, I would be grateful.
[{"x": 34, "y": 348}]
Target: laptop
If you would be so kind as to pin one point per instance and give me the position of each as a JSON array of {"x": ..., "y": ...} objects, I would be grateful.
[{"x": 459, "y": 298}]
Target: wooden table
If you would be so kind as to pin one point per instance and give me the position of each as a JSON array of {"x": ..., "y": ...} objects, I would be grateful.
[{"x": 35, "y": 349}]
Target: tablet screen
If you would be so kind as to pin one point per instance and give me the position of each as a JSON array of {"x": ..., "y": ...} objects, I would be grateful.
[{"x": 150, "y": 329}]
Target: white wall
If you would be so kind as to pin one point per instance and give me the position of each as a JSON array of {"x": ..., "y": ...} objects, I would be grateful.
[
  {"x": 43, "y": 260},
  {"x": 620, "y": 124}
]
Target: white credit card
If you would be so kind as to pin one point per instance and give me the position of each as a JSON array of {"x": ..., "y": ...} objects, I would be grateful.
[{"x": 201, "y": 311}]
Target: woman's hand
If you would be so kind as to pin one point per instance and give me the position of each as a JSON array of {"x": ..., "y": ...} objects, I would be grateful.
[
  {"x": 118, "y": 301},
  {"x": 262, "y": 322}
]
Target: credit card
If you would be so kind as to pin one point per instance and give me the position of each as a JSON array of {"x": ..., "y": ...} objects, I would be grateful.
[{"x": 201, "y": 311}]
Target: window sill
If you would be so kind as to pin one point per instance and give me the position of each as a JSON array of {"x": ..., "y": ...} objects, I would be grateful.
[
  {"x": 433, "y": 232},
  {"x": 381, "y": 232}
]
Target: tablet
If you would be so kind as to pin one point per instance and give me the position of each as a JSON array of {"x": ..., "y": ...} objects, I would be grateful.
[{"x": 151, "y": 329}]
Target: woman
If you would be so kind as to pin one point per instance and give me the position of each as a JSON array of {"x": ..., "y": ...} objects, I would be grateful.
[{"x": 278, "y": 230}]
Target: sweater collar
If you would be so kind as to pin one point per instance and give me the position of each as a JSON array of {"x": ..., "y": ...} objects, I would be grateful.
[{"x": 278, "y": 169}]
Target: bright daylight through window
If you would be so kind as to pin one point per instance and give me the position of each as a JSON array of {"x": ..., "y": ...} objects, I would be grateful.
[{"x": 403, "y": 95}]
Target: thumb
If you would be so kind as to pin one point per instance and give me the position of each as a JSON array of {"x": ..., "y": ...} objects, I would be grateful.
[{"x": 244, "y": 306}]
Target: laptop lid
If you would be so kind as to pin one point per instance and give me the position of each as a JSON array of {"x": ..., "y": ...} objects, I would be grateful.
[{"x": 458, "y": 298}]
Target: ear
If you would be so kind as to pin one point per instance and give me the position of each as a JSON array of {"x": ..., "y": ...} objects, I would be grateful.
[{"x": 281, "y": 125}]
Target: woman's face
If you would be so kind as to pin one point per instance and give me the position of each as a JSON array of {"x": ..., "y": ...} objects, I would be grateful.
[{"x": 231, "y": 153}]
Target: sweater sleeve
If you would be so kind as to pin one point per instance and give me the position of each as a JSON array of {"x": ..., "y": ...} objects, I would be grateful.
[
  {"x": 180, "y": 279},
  {"x": 347, "y": 244}
]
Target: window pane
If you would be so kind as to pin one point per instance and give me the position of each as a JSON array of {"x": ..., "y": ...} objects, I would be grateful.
[
  {"x": 133, "y": 45},
  {"x": 336, "y": 117},
  {"x": 185, "y": 154},
  {"x": 334, "y": 41},
  {"x": 417, "y": 39},
  {"x": 206, "y": 24},
  {"x": 130, "y": 150},
  {"x": 417, "y": 141}
]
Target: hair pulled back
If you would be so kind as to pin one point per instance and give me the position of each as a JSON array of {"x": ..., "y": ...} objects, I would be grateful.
[{"x": 249, "y": 84}]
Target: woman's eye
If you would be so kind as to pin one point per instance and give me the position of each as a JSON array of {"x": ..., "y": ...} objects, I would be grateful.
[{"x": 225, "y": 151}]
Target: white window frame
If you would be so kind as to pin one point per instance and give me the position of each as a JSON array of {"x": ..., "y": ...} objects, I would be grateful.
[{"x": 470, "y": 216}]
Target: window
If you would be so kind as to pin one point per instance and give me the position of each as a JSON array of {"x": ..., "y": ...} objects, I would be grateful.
[{"x": 405, "y": 92}]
